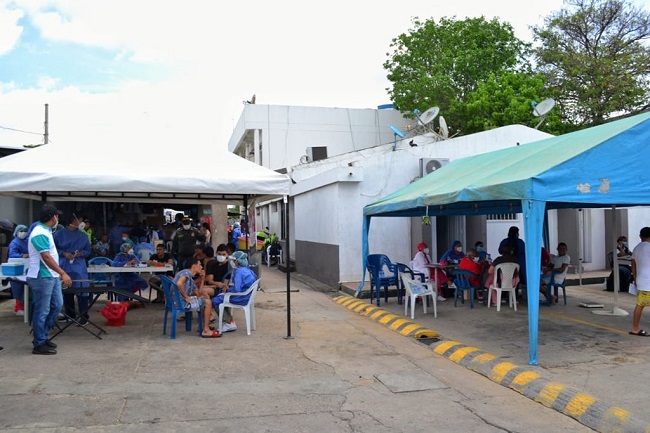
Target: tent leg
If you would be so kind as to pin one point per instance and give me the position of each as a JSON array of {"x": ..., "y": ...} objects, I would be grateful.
[{"x": 533, "y": 222}]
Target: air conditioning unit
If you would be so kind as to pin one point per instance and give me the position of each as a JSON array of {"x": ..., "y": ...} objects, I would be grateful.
[
  {"x": 316, "y": 153},
  {"x": 429, "y": 165}
]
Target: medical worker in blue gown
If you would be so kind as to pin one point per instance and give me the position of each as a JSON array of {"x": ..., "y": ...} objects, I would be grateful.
[
  {"x": 73, "y": 247},
  {"x": 129, "y": 281}
]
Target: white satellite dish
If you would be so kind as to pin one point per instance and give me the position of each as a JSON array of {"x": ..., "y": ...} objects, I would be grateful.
[
  {"x": 444, "y": 131},
  {"x": 543, "y": 107},
  {"x": 428, "y": 115}
]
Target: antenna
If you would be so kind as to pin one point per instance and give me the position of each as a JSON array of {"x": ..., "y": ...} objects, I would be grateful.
[
  {"x": 428, "y": 115},
  {"x": 542, "y": 109},
  {"x": 444, "y": 130},
  {"x": 396, "y": 132}
]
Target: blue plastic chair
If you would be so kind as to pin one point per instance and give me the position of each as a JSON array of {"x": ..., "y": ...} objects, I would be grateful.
[
  {"x": 174, "y": 306},
  {"x": 555, "y": 287},
  {"x": 102, "y": 278},
  {"x": 404, "y": 269},
  {"x": 375, "y": 264},
  {"x": 461, "y": 281}
]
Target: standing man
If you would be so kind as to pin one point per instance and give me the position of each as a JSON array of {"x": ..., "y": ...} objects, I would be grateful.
[
  {"x": 45, "y": 277},
  {"x": 641, "y": 275},
  {"x": 184, "y": 242},
  {"x": 73, "y": 247}
]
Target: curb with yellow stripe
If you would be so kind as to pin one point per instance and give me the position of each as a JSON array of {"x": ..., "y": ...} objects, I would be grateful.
[{"x": 584, "y": 408}]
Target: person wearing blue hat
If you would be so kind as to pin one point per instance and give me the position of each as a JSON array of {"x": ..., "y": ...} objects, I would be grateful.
[
  {"x": 242, "y": 278},
  {"x": 18, "y": 249}
]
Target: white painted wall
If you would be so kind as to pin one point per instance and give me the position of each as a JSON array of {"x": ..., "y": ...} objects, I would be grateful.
[
  {"x": 383, "y": 171},
  {"x": 287, "y": 131},
  {"x": 638, "y": 217}
]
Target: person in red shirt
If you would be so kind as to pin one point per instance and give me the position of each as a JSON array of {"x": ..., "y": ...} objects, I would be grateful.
[{"x": 471, "y": 263}]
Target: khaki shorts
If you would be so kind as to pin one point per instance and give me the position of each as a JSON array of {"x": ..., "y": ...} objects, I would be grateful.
[{"x": 643, "y": 299}]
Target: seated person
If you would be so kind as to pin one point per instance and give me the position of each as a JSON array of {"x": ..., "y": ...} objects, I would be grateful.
[
  {"x": 159, "y": 259},
  {"x": 187, "y": 287},
  {"x": 129, "y": 281},
  {"x": 507, "y": 256},
  {"x": 217, "y": 272},
  {"x": 419, "y": 264},
  {"x": 452, "y": 257},
  {"x": 471, "y": 263},
  {"x": 242, "y": 277},
  {"x": 556, "y": 269},
  {"x": 102, "y": 247},
  {"x": 624, "y": 267},
  {"x": 480, "y": 249}
]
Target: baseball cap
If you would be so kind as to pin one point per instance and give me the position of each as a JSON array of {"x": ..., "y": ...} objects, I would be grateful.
[{"x": 47, "y": 212}]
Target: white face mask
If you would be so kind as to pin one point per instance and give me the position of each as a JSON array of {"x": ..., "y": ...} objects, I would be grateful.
[
  {"x": 81, "y": 226},
  {"x": 459, "y": 249},
  {"x": 124, "y": 238},
  {"x": 22, "y": 235},
  {"x": 425, "y": 251},
  {"x": 221, "y": 259},
  {"x": 129, "y": 252},
  {"x": 186, "y": 226},
  {"x": 475, "y": 259}
]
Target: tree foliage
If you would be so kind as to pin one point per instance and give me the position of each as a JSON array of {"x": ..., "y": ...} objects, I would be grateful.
[
  {"x": 441, "y": 64},
  {"x": 505, "y": 99},
  {"x": 594, "y": 58}
]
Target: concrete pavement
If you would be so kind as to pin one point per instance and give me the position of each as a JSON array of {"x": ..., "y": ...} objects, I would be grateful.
[{"x": 341, "y": 372}]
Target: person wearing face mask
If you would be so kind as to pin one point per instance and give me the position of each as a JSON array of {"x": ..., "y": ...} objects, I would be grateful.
[
  {"x": 73, "y": 247},
  {"x": 126, "y": 238},
  {"x": 419, "y": 264},
  {"x": 480, "y": 249},
  {"x": 242, "y": 277},
  {"x": 184, "y": 242},
  {"x": 453, "y": 255},
  {"x": 130, "y": 281},
  {"x": 18, "y": 249},
  {"x": 471, "y": 263},
  {"x": 217, "y": 279}
]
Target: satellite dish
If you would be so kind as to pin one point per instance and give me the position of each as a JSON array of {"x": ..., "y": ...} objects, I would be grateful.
[
  {"x": 543, "y": 107},
  {"x": 428, "y": 115},
  {"x": 396, "y": 131},
  {"x": 444, "y": 131}
]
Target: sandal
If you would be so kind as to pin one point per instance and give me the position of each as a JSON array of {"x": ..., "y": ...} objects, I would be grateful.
[{"x": 213, "y": 334}]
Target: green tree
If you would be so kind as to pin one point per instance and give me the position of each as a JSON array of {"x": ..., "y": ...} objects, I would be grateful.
[
  {"x": 593, "y": 56},
  {"x": 440, "y": 64},
  {"x": 505, "y": 99}
]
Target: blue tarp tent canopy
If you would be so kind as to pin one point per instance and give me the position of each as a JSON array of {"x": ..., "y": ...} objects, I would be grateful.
[{"x": 602, "y": 166}]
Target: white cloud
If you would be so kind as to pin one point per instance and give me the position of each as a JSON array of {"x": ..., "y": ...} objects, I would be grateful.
[{"x": 10, "y": 31}]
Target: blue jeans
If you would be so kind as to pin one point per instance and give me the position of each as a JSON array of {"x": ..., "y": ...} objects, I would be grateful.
[
  {"x": 47, "y": 299},
  {"x": 17, "y": 290}
]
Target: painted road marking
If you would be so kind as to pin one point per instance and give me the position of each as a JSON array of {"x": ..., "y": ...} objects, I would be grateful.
[{"x": 584, "y": 408}]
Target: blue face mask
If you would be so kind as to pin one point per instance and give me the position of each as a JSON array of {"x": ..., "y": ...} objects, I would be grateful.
[
  {"x": 480, "y": 249},
  {"x": 625, "y": 244}
]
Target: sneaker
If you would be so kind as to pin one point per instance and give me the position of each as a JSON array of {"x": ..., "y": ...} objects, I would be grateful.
[
  {"x": 441, "y": 298},
  {"x": 44, "y": 349},
  {"x": 62, "y": 318},
  {"x": 83, "y": 321},
  {"x": 227, "y": 327},
  {"x": 49, "y": 343},
  {"x": 19, "y": 312}
]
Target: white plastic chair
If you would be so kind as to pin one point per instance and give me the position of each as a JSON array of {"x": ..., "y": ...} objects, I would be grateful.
[
  {"x": 507, "y": 273},
  {"x": 418, "y": 289},
  {"x": 278, "y": 256},
  {"x": 249, "y": 308}
]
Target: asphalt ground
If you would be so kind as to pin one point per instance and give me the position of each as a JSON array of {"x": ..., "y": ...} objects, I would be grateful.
[
  {"x": 340, "y": 371},
  {"x": 597, "y": 371}
]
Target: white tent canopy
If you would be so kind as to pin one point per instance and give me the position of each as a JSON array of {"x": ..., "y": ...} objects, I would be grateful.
[{"x": 136, "y": 173}]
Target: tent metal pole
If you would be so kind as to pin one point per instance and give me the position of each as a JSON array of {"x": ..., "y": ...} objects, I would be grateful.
[
  {"x": 287, "y": 262},
  {"x": 615, "y": 311}
]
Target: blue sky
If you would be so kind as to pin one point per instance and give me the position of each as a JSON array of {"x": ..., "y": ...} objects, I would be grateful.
[{"x": 162, "y": 70}]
